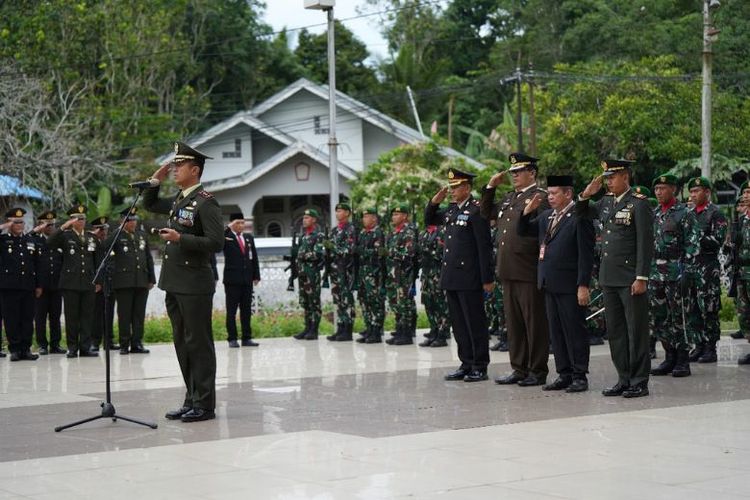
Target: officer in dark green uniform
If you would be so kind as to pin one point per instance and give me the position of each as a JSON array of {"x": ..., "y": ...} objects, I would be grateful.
[
  {"x": 19, "y": 260},
  {"x": 132, "y": 272},
  {"x": 104, "y": 307},
  {"x": 627, "y": 249},
  {"x": 80, "y": 251},
  {"x": 195, "y": 232}
]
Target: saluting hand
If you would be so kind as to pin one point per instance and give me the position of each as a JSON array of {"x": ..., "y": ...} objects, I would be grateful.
[
  {"x": 533, "y": 204},
  {"x": 439, "y": 196},
  {"x": 594, "y": 187},
  {"x": 162, "y": 171},
  {"x": 5, "y": 226},
  {"x": 65, "y": 225},
  {"x": 497, "y": 179}
]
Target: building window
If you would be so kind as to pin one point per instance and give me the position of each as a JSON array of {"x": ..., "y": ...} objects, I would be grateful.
[
  {"x": 237, "y": 153},
  {"x": 273, "y": 230},
  {"x": 318, "y": 129},
  {"x": 273, "y": 205}
]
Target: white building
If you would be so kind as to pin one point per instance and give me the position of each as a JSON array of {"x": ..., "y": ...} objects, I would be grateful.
[{"x": 271, "y": 162}]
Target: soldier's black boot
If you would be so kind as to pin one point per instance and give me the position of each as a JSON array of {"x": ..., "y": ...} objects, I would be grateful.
[
  {"x": 394, "y": 334},
  {"x": 346, "y": 333},
  {"x": 709, "y": 353},
  {"x": 737, "y": 335},
  {"x": 375, "y": 335},
  {"x": 697, "y": 352},
  {"x": 652, "y": 347},
  {"x": 441, "y": 340},
  {"x": 666, "y": 366},
  {"x": 682, "y": 365},
  {"x": 744, "y": 360},
  {"x": 335, "y": 336},
  {"x": 405, "y": 337},
  {"x": 429, "y": 337},
  {"x": 365, "y": 334},
  {"x": 301, "y": 335},
  {"x": 312, "y": 334}
]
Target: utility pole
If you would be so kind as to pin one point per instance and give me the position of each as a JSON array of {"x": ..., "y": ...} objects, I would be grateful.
[
  {"x": 709, "y": 36},
  {"x": 519, "y": 114},
  {"x": 414, "y": 110},
  {"x": 450, "y": 121},
  {"x": 532, "y": 114}
]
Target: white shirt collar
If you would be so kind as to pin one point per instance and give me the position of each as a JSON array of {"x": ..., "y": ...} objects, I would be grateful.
[{"x": 526, "y": 188}]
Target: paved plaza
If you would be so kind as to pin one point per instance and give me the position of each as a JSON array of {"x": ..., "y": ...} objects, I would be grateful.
[{"x": 322, "y": 420}]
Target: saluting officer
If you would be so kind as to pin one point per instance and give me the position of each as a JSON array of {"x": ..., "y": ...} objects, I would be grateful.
[
  {"x": 80, "y": 261},
  {"x": 104, "y": 317},
  {"x": 194, "y": 234},
  {"x": 19, "y": 259},
  {"x": 49, "y": 303},
  {"x": 466, "y": 272},
  {"x": 132, "y": 274},
  {"x": 241, "y": 274},
  {"x": 528, "y": 337},
  {"x": 627, "y": 249}
]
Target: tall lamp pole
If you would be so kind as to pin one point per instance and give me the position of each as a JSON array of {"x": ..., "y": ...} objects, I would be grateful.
[
  {"x": 709, "y": 36},
  {"x": 327, "y": 5}
]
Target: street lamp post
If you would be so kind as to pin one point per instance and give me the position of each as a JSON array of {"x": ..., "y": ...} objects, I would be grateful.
[
  {"x": 709, "y": 36},
  {"x": 327, "y": 5}
]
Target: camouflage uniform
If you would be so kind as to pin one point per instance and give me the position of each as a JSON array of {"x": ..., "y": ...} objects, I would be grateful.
[
  {"x": 343, "y": 238},
  {"x": 371, "y": 292},
  {"x": 402, "y": 246},
  {"x": 742, "y": 269},
  {"x": 310, "y": 255},
  {"x": 704, "y": 298},
  {"x": 431, "y": 247},
  {"x": 676, "y": 244},
  {"x": 596, "y": 326},
  {"x": 493, "y": 304}
]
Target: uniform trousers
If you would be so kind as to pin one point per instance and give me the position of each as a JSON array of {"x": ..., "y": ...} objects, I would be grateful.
[
  {"x": 627, "y": 331},
  {"x": 18, "y": 314},
  {"x": 104, "y": 319},
  {"x": 131, "y": 314},
  {"x": 469, "y": 328},
  {"x": 190, "y": 316},
  {"x": 48, "y": 305},
  {"x": 239, "y": 296},
  {"x": 568, "y": 333},
  {"x": 526, "y": 320},
  {"x": 79, "y": 320}
]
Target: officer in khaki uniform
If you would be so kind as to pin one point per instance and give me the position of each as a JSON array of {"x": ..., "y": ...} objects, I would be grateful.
[
  {"x": 195, "y": 232},
  {"x": 627, "y": 249},
  {"x": 80, "y": 250},
  {"x": 132, "y": 274},
  {"x": 517, "y": 257}
]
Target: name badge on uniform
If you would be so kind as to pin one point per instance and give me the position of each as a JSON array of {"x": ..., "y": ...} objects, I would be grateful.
[
  {"x": 623, "y": 217},
  {"x": 186, "y": 217},
  {"x": 542, "y": 249},
  {"x": 92, "y": 246}
]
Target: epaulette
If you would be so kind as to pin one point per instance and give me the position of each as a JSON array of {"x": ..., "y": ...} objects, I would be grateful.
[
  {"x": 542, "y": 190},
  {"x": 475, "y": 202},
  {"x": 205, "y": 194},
  {"x": 640, "y": 196},
  {"x": 609, "y": 194}
]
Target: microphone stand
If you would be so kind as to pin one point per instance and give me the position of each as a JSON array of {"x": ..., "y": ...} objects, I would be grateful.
[{"x": 108, "y": 409}]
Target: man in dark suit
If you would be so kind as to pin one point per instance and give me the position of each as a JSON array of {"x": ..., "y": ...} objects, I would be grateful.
[
  {"x": 194, "y": 234},
  {"x": 627, "y": 249},
  {"x": 566, "y": 261},
  {"x": 528, "y": 338},
  {"x": 466, "y": 273},
  {"x": 241, "y": 274}
]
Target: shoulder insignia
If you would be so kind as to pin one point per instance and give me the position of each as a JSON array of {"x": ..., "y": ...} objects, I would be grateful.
[
  {"x": 205, "y": 194},
  {"x": 541, "y": 190},
  {"x": 640, "y": 196},
  {"x": 609, "y": 194}
]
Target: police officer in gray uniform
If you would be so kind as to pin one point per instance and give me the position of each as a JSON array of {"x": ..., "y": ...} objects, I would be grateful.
[{"x": 194, "y": 233}]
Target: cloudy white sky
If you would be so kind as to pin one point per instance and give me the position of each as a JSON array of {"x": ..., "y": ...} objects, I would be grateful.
[{"x": 292, "y": 14}]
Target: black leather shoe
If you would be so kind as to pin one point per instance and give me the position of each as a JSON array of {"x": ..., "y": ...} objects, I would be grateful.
[
  {"x": 501, "y": 346},
  {"x": 249, "y": 343},
  {"x": 737, "y": 335},
  {"x": 176, "y": 414},
  {"x": 43, "y": 351},
  {"x": 425, "y": 343},
  {"x": 636, "y": 391},
  {"x": 124, "y": 351},
  {"x": 373, "y": 339},
  {"x": 744, "y": 360},
  {"x": 198, "y": 414},
  {"x": 138, "y": 349},
  {"x": 457, "y": 375},
  {"x": 94, "y": 348},
  {"x": 476, "y": 376},
  {"x": 595, "y": 340},
  {"x": 29, "y": 356},
  {"x": 89, "y": 354},
  {"x": 513, "y": 378},
  {"x": 56, "y": 349},
  {"x": 559, "y": 384},
  {"x": 615, "y": 390},
  {"x": 578, "y": 385},
  {"x": 532, "y": 380},
  {"x": 439, "y": 343},
  {"x": 401, "y": 340},
  {"x": 15, "y": 356},
  {"x": 114, "y": 347},
  {"x": 234, "y": 344},
  {"x": 72, "y": 354},
  {"x": 2, "y": 354}
]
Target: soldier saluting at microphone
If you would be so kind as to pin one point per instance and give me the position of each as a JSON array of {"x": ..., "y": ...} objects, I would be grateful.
[{"x": 194, "y": 234}]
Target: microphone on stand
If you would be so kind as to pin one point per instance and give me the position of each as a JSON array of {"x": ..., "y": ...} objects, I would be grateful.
[{"x": 144, "y": 184}]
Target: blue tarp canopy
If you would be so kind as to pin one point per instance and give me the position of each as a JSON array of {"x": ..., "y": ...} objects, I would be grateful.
[{"x": 12, "y": 186}]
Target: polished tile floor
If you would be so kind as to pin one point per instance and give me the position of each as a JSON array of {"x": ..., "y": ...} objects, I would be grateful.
[{"x": 317, "y": 420}]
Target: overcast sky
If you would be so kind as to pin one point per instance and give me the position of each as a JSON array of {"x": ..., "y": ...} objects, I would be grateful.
[{"x": 292, "y": 14}]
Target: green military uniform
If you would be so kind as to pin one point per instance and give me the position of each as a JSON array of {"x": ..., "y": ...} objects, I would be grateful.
[
  {"x": 341, "y": 250},
  {"x": 80, "y": 261},
  {"x": 627, "y": 250},
  {"x": 741, "y": 274},
  {"x": 371, "y": 253},
  {"x": 188, "y": 280},
  {"x": 402, "y": 245},
  {"x": 704, "y": 280},
  {"x": 675, "y": 247},
  {"x": 596, "y": 326},
  {"x": 431, "y": 248},
  {"x": 104, "y": 304},
  {"x": 132, "y": 274},
  {"x": 310, "y": 260},
  {"x": 494, "y": 306}
]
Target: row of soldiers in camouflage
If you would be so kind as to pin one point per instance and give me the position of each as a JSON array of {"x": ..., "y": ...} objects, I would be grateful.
[{"x": 378, "y": 266}]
